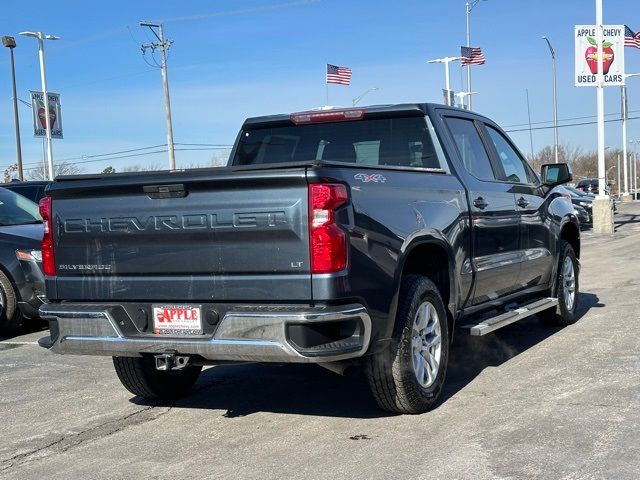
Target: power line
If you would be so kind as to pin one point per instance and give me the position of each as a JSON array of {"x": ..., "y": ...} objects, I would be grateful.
[
  {"x": 106, "y": 157},
  {"x": 570, "y": 125},
  {"x": 563, "y": 120}
]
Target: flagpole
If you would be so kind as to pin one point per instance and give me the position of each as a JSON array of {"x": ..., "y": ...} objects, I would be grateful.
[
  {"x": 468, "y": 11},
  {"x": 326, "y": 81}
]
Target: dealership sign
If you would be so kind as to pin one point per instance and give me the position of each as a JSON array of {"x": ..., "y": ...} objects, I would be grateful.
[
  {"x": 40, "y": 117},
  {"x": 587, "y": 55}
]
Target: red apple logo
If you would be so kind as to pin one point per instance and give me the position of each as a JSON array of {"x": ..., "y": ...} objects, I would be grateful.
[
  {"x": 43, "y": 117},
  {"x": 591, "y": 55}
]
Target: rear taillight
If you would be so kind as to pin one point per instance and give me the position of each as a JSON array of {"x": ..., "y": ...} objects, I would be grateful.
[
  {"x": 328, "y": 242},
  {"x": 48, "y": 260}
]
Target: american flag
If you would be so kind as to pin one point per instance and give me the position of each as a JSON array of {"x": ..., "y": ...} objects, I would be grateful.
[
  {"x": 339, "y": 75},
  {"x": 631, "y": 39},
  {"x": 471, "y": 56}
]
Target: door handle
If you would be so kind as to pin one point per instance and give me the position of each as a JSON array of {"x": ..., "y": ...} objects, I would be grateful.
[
  {"x": 522, "y": 202},
  {"x": 480, "y": 203}
]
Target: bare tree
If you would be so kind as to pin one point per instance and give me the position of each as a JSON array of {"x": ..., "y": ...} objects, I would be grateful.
[
  {"x": 143, "y": 168},
  {"x": 583, "y": 164},
  {"x": 220, "y": 157},
  {"x": 62, "y": 168}
]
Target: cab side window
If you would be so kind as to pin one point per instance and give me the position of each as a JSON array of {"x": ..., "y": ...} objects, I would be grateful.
[
  {"x": 470, "y": 147},
  {"x": 513, "y": 165}
]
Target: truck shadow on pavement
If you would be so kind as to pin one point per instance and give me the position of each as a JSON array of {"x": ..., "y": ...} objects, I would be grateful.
[
  {"x": 469, "y": 356},
  {"x": 240, "y": 390}
]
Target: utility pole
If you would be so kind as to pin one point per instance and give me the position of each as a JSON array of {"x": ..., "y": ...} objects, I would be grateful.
[
  {"x": 555, "y": 99},
  {"x": 163, "y": 45},
  {"x": 529, "y": 115},
  {"x": 10, "y": 43}
]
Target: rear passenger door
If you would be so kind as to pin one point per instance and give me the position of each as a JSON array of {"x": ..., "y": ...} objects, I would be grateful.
[
  {"x": 535, "y": 236},
  {"x": 495, "y": 221}
]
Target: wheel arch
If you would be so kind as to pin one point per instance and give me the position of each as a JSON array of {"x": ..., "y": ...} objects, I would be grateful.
[
  {"x": 571, "y": 233},
  {"x": 430, "y": 255}
]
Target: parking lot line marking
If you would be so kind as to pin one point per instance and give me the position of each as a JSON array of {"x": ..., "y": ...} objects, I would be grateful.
[{"x": 17, "y": 343}]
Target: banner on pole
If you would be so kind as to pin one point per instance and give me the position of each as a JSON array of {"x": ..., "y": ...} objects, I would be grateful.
[
  {"x": 40, "y": 118},
  {"x": 586, "y": 49}
]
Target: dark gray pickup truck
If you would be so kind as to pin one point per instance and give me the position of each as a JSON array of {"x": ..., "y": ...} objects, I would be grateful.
[{"x": 341, "y": 237}]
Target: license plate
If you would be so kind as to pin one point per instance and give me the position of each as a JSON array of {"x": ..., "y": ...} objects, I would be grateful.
[{"x": 177, "y": 319}]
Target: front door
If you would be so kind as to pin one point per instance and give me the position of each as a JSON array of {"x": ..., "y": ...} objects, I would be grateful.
[
  {"x": 535, "y": 236},
  {"x": 495, "y": 219}
]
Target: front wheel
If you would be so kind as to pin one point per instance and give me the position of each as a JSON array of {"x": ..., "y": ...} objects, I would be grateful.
[
  {"x": 567, "y": 290},
  {"x": 409, "y": 375},
  {"x": 140, "y": 377}
]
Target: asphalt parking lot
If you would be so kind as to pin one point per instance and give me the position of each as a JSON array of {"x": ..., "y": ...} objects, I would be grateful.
[{"x": 524, "y": 402}]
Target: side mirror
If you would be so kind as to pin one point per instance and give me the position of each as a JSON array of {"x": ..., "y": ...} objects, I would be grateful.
[{"x": 556, "y": 174}]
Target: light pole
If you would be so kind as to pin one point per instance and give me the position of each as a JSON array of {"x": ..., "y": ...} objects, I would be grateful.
[
  {"x": 355, "y": 101},
  {"x": 463, "y": 95},
  {"x": 555, "y": 99},
  {"x": 447, "y": 82},
  {"x": 634, "y": 169},
  {"x": 469, "y": 5},
  {"x": 625, "y": 115},
  {"x": 10, "y": 43},
  {"x": 45, "y": 96}
]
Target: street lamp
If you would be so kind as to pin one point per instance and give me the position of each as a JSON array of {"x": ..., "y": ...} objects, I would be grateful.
[
  {"x": 446, "y": 61},
  {"x": 469, "y": 5},
  {"x": 625, "y": 114},
  {"x": 360, "y": 97},
  {"x": 10, "y": 43},
  {"x": 555, "y": 99},
  {"x": 634, "y": 169},
  {"x": 43, "y": 78}
]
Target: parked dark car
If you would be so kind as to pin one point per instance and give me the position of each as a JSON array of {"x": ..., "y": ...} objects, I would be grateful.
[
  {"x": 22, "y": 289},
  {"x": 336, "y": 237},
  {"x": 582, "y": 214},
  {"x": 583, "y": 200},
  {"x": 33, "y": 190}
]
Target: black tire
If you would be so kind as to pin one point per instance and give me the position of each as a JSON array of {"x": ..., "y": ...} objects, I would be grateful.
[
  {"x": 140, "y": 377},
  {"x": 562, "y": 315},
  {"x": 10, "y": 316},
  {"x": 390, "y": 373}
]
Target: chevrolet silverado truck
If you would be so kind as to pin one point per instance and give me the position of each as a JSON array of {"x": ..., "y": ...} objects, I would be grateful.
[{"x": 339, "y": 237}]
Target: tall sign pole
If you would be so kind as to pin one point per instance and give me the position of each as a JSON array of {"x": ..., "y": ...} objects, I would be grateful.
[
  {"x": 600, "y": 101},
  {"x": 163, "y": 45},
  {"x": 599, "y": 61},
  {"x": 45, "y": 98}
]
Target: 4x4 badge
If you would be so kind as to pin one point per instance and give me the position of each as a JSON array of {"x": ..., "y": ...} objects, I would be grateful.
[{"x": 366, "y": 178}]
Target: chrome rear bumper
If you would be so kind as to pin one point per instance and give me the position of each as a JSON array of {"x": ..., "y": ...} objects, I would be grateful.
[{"x": 257, "y": 334}]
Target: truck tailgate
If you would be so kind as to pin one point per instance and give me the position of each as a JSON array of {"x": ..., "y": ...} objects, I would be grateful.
[{"x": 184, "y": 236}]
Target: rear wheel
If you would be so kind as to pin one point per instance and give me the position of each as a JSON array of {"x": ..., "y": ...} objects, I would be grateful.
[
  {"x": 9, "y": 315},
  {"x": 567, "y": 290},
  {"x": 409, "y": 375},
  {"x": 140, "y": 377}
]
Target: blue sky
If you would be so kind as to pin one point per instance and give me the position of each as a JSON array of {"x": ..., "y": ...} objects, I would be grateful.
[{"x": 233, "y": 59}]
